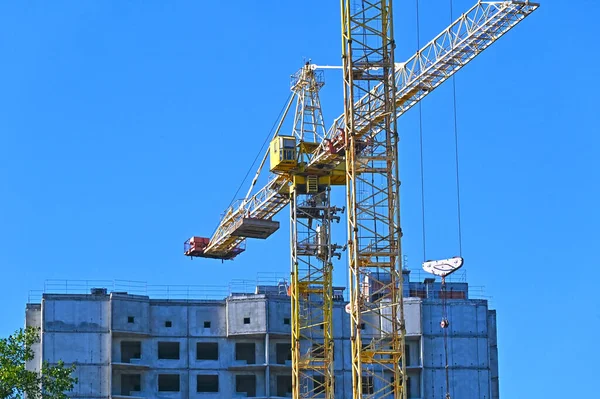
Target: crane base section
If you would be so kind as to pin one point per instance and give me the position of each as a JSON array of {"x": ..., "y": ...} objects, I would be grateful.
[
  {"x": 255, "y": 228},
  {"x": 195, "y": 248}
]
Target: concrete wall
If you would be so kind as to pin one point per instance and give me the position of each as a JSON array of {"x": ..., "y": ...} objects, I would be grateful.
[
  {"x": 76, "y": 313},
  {"x": 33, "y": 318},
  {"x": 123, "y": 308},
  {"x": 493, "y": 348},
  {"x": 246, "y": 308},
  {"x": 412, "y": 316},
  {"x": 468, "y": 349},
  {"x": 211, "y": 311},
  {"x": 89, "y": 330},
  {"x": 341, "y": 321},
  {"x": 175, "y": 314},
  {"x": 76, "y": 329},
  {"x": 278, "y": 310}
]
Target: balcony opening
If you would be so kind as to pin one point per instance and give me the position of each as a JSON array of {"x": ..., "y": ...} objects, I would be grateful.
[
  {"x": 367, "y": 385},
  {"x": 319, "y": 384},
  {"x": 207, "y": 351},
  {"x": 283, "y": 353},
  {"x": 408, "y": 384},
  {"x": 168, "y": 382},
  {"x": 168, "y": 350},
  {"x": 207, "y": 383},
  {"x": 284, "y": 385},
  {"x": 318, "y": 351},
  {"x": 245, "y": 351},
  {"x": 130, "y": 350},
  {"x": 130, "y": 383},
  {"x": 247, "y": 384}
]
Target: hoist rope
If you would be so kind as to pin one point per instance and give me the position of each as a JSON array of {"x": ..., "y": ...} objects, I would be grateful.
[
  {"x": 421, "y": 146},
  {"x": 456, "y": 151},
  {"x": 260, "y": 151},
  {"x": 445, "y": 322},
  {"x": 445, "y": 328}
]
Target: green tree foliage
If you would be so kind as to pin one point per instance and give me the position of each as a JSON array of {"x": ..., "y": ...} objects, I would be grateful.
[{"x": 15, "y": 381}]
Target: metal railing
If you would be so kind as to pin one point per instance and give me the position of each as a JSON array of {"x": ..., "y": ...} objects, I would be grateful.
[
  {"x": 206, "y": 292},
  {"x": 154, "y": 291},
  {"x": 159, "y": 291}
]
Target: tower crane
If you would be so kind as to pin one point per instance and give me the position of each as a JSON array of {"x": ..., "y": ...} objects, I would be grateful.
[{"x": 359, "y": 151}]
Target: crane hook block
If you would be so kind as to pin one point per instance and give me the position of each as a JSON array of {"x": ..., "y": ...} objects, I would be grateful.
[{"x": 443, "y": 268}]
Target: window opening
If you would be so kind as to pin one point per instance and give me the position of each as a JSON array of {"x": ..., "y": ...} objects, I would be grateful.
[
  {"x": 207, "y": 383},
  {"x": 168, "y": 350},
  {"x": 130, "y": 383},
  {"x": 168, "y": 382},
  {"x": 130, "y": 350},
  {"x": 247, "y": 384},
  {"x": 207, "y": 351},
  {"x": 245, "y": 351},
  {"x": 284, "y": 385},
  {"x": 283, "y": 352}
]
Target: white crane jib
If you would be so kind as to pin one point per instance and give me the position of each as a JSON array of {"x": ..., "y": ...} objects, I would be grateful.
[{"x": 468, "y": 36}]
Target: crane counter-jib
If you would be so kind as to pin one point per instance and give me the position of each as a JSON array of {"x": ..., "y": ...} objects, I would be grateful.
[{"x": 452, "y": 49}]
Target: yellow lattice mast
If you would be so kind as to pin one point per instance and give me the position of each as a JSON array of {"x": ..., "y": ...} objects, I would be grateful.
[
  {"x": 373, "y": 197},
  {"x": 311, "y": 247}
]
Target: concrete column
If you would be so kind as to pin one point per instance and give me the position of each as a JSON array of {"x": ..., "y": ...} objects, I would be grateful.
[
  {"x": 268, "y": 368},
  {"x": 422, "y": 351}
]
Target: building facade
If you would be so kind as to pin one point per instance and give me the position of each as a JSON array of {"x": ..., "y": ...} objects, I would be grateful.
[{"x": 127, "y": 345}]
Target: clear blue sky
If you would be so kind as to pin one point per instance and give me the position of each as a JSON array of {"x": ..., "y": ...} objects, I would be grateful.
[{"x": 126, "y": 127}]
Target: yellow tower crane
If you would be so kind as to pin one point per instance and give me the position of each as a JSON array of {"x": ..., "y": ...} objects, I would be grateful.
[{"x": 360, "y": 152}]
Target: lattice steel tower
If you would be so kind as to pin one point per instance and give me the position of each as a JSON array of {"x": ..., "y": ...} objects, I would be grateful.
[
  {"x": 373, "y": 197},
  {"x": 312, "y": 250}
]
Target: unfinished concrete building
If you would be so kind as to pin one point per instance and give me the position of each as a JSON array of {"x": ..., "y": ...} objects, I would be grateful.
[{"x": 127, "y": 345}]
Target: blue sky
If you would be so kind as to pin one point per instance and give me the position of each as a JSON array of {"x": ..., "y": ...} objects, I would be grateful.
[{"x": 126, "y": 127}]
